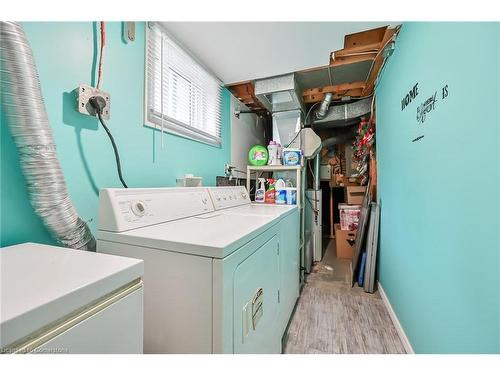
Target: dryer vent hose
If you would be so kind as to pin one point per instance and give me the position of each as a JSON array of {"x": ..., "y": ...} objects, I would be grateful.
[{"x": 25, "y": 113}]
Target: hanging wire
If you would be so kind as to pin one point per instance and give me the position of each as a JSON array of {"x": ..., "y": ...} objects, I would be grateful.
[
  {"x": 161, "y": 96},
  {"x": 381, "y": 50},
  {"x": 101, "y": 56},
  {"x": 305, "y": 121},
  {"x": 315, "y": 206}
]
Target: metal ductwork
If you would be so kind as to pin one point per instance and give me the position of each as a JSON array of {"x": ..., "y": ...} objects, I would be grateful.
[
  {"x": 343, "y": 115},
  {"x": 27, "y": 119},
  {"x": 279, "y": 93},
  {"x": 282, "y": 96}
]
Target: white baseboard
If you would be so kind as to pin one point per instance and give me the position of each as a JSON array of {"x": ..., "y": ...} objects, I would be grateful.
[{"x": 395, "y": 321}]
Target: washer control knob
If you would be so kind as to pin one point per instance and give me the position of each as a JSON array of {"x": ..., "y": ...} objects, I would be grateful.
[
  {"x": 244, "y": 195},
  {"x": 139, "y": 208}
]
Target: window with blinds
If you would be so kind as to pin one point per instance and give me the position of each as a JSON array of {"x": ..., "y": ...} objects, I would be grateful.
[{"x": 181, "y": 96}]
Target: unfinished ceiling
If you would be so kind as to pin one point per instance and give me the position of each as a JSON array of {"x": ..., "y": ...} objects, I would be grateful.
[
  {"x": 242, "y": 51},
  {"x": 350, "y": 75}
]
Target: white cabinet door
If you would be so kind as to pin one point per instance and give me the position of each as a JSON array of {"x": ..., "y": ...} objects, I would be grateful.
[{"x": 117, "y": 329}]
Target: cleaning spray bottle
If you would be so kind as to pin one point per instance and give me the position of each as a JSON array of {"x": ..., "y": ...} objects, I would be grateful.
[
  {"x": 261, "y": 191},
  {"x": 270, "y": 195}
]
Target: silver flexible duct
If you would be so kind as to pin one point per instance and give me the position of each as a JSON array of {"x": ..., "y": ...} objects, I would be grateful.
[
  {"x": 339, "y": 138},
  {"x": 27, "y": 119},
  {"x": 342, "y": 115},
  {"x": 323, "y": 108}
]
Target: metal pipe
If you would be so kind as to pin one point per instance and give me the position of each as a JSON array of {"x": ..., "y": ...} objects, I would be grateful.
[
  {"x": 323, "y": 108},
  {"x": 344, "y": 114},
  {"x": 336, "y": 125},
  {"x": 27, "y": 119},
  {"x": 316, "y": 171}
]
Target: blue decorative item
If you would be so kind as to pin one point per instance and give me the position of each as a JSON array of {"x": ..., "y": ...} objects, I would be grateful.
[{"x": 361, "y": 275}]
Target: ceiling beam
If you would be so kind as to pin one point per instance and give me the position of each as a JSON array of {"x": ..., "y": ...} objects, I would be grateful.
[
  {"x": 378, "y": 62},
  {"x": 353, "y": 89}
]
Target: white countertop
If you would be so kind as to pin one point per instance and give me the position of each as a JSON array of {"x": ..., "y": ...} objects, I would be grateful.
[
  {"x": 40, "y": 284},
  {"x": 274, "y": 210},
  {"x": 213, "y": 235}
]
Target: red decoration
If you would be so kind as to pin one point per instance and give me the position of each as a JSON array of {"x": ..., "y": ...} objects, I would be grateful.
[{"x": 365, "y": 140}]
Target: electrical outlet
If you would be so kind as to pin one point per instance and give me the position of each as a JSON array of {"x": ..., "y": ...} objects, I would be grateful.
[
  {"x": 85, "y": 92},
  {"x": 128, "y": 29},
  {"x": 228, "y": 169}
]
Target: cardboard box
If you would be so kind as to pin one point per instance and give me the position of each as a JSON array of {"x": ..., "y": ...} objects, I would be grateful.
[
  {"x": 355, "y": 194},
  {"x": 349, "y": 216},
  {"x": 344, "y": 242},
  {"x": 339, "y": 180}
]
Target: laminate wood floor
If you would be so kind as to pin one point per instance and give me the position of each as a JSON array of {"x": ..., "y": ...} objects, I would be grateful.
[{"x": 333, "y": 318}]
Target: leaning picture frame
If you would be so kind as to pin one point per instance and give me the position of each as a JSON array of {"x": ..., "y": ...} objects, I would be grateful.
[{"x": 361, "y": 233}]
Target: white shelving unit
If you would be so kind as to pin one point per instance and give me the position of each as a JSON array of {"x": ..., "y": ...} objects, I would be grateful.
[
  {"x": 278, "y": 168},
  {"x": 298, "y": 169}
]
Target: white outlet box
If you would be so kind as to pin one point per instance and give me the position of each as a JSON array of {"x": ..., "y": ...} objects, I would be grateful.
[
  {"x": 85, "y": 92},
  {"x": 325, "y": 172}
]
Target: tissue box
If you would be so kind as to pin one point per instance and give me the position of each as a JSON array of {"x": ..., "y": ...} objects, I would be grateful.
[
  {"x": 349, "y": 216},
  {"x": 292, "y": 156},
  {"x": 189, "y": 181}
]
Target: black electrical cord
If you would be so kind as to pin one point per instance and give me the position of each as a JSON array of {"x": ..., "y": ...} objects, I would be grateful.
[
  {"x": 293, "y": 139},
  {"x": 305, "y": 122},
  {"x": 115, "y": 149},
  {"x": 98, "y": 103}
]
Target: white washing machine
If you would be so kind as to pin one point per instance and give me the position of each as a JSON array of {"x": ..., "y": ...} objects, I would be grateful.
[
  {"x": 213, "y": 275},
  {"x": 58, "y": 300}
]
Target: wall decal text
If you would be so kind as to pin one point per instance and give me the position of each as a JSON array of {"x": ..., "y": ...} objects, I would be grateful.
[
  {"x": 412, "y": 94},
  {"x": 429, "y": 105}
]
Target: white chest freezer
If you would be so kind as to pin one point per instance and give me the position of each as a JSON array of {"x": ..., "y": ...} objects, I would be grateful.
[{"x": 58, "y": 300}]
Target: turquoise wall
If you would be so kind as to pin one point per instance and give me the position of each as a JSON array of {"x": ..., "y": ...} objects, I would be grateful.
[
  {"x": 64, "y": 55},
  {"x": 440, "y": 229}
]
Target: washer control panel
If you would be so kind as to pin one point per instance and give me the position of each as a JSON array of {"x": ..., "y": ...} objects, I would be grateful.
[
  {"x": 139, "y": 208},
  {"x": 228, "y": 196},
  {"x": 125, "y": 209}
]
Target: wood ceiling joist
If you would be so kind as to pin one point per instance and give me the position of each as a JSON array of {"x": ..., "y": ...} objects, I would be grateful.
[
  {"x": 245, "y": 92},
  {"x": 354, "y": 93},
  {"x": 368, "y": 48},
  {"x": 377, "y": 64},
  {"x": 360, "y": 46},
  {"x": 337, "y": 61},
  {"x": 317, "y": 94},
  {"x": 365, "y": 37}
]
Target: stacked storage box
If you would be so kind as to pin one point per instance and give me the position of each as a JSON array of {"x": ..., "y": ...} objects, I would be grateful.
[{"x": 345, "y": 232}]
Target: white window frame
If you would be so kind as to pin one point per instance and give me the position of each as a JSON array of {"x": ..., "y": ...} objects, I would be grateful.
[{"x": 170, "y": 125}]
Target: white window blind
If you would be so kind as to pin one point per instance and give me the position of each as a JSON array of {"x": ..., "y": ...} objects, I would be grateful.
[{"x": 181, "y": 96}]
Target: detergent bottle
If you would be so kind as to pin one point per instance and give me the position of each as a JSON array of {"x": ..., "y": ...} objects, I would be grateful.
[
  {"x": 270, "y": 196},
  {"x": 280, "y": 191},
  {"x": 261, "y": 191}
]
